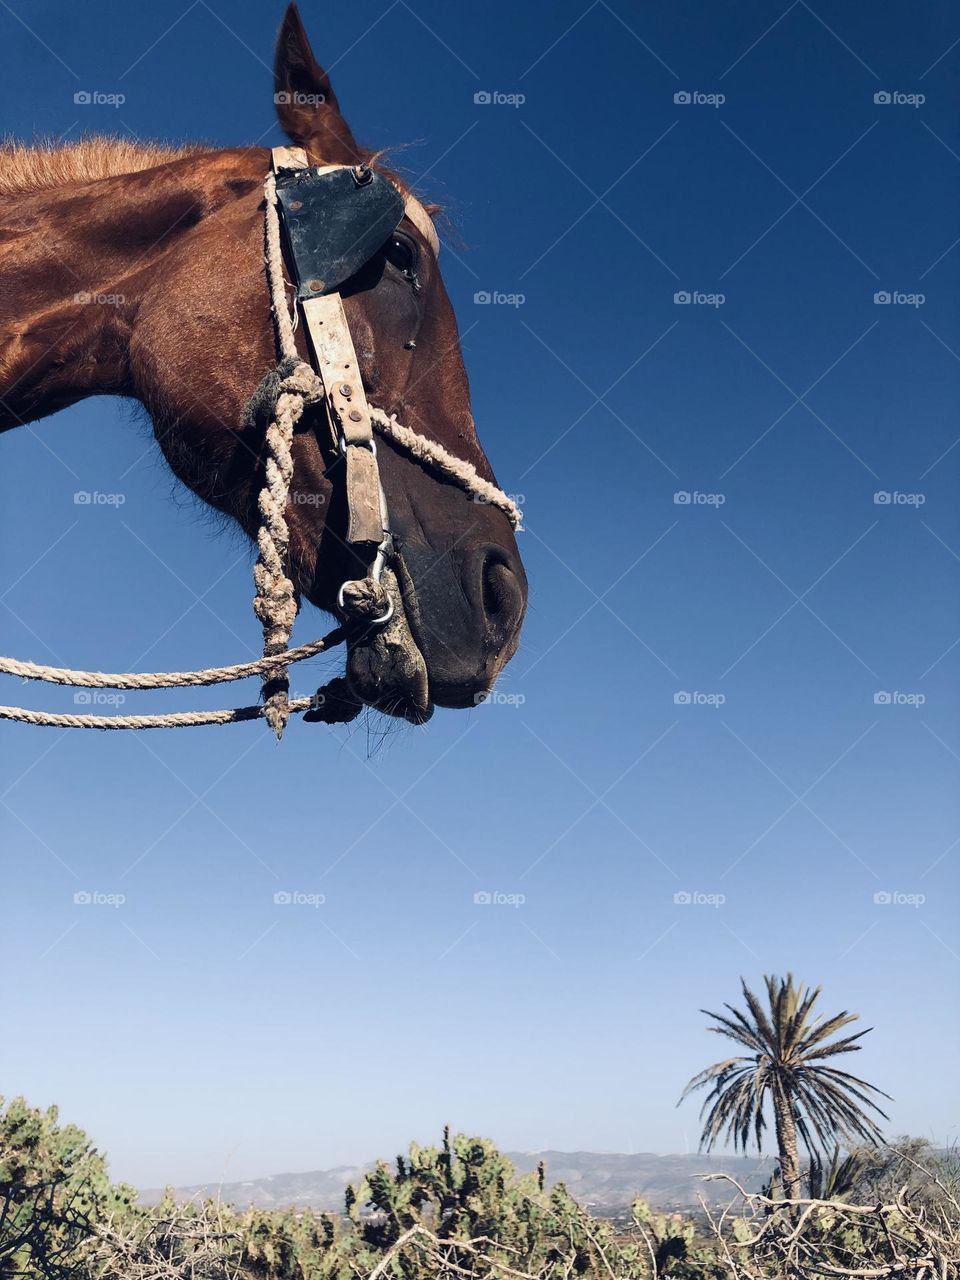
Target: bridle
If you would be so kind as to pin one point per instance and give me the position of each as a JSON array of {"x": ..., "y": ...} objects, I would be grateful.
[
  {"x": 318, "y": 210},
  {"x": 333, "y": 219}
]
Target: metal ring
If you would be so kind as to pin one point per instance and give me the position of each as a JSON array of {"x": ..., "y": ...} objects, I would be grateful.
[{"x": 359, "y": 444}]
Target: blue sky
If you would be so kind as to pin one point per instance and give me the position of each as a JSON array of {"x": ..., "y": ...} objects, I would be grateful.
[{"x": 693, "y": 710}]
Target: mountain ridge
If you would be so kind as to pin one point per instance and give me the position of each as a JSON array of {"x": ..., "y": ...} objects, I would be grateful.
[{"x": 606, "y": 1182}]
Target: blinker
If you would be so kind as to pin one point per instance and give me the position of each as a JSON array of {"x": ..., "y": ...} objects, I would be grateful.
[{"x": 334, "y": 221}]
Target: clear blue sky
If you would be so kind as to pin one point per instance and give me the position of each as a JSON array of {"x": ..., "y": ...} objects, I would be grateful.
[{"x": 199, "y": 1030}]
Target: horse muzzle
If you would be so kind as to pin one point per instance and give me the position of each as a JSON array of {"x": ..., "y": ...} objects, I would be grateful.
[
  {"x": 438, "y": 648},
  {"x": 464, "y": 608}
]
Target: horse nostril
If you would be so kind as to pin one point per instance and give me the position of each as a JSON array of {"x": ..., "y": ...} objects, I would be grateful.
[
  {"x": 500, "y": 592},
  {"x": 499, "y": 585}
]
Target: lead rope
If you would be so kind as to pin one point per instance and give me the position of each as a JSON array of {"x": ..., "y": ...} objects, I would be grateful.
[{"x": 275, "y": 603}]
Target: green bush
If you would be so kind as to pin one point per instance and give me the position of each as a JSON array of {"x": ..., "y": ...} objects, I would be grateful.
[
  {"x": 456, "y": 1210},
  {"x": 54, "y": 1188}
]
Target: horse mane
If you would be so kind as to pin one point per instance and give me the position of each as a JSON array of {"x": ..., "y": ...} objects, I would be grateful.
[
  {"x": 46, "y": 163},
  {"x": 41, "y": 165}
]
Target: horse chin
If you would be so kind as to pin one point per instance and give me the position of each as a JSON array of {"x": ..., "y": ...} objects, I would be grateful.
[{"x": 385, "y": 668}]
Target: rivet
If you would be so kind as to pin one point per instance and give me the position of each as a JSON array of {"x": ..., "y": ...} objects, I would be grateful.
[
  {"x": 296, "y": 204},
  {"x": 346, "y": 390},
  {"x": 315, "y": 286},
  {"x": 355, "y": 415}
]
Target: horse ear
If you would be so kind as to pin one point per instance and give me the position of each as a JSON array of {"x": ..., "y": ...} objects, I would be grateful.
[{"x": 307, "y": 107}]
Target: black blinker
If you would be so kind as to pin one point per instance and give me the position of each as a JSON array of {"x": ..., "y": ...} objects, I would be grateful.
[{"x": 335, "y": 222}]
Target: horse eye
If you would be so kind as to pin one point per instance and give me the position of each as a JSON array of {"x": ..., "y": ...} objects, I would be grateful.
[{"x": 402, "y": 254}]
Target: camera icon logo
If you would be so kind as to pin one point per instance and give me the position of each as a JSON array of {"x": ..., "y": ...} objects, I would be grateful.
[
  {"x": 681, "y": 698},
  {"x": 683, "y": 898},
  {"x": 682, "y": 98},
  {"x": 882, "y": 298},
  {"x": 882, "y": 98},
  {"x": 881, "y": 698},
  {"x": 82, "y": 98},
  {"x": 482, "y": 297},
  {"x": 482, "y": 898},
  {"x": 282, "y": 898},
  {"x": 883, "y": 898},
  {"x": 682, "y": 298},
  {"x": 82, "y": 898},
  {"x": 483, "y": 98}
]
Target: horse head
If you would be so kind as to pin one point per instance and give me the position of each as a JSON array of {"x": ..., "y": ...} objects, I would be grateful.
[{"x": 177, "y": 242}]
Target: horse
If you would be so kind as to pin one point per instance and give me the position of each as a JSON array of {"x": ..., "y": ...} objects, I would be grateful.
[{"x": 137, "y": 270}]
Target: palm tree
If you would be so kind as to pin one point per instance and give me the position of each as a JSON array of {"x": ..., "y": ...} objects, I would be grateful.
[{"x": 786, "y": 1046}]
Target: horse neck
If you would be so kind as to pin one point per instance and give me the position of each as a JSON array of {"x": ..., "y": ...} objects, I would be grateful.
[{"x": 74, "y": 264}]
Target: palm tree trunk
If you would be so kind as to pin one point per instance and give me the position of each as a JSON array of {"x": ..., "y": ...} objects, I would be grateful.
[{"x": 786, "y": 1129}]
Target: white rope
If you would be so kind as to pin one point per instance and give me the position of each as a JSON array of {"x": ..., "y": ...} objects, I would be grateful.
[
  {"x": 167, "y": 679},
  {"x": 458, "y": 470},
  {"x": 173, "y": 720},
  {"x": 274, "y": 254}
]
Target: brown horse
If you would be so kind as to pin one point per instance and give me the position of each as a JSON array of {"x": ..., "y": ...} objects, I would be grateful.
[{"x": 138, "y": 271}]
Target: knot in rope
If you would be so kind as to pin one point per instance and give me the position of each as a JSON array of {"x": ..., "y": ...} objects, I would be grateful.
[
  {"x": 298, "y": 378},
  {"x": 365, "y": 600}
]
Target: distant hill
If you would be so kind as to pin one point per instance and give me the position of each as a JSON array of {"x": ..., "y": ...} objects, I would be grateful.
[{"x": 605, "y": 1183}]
